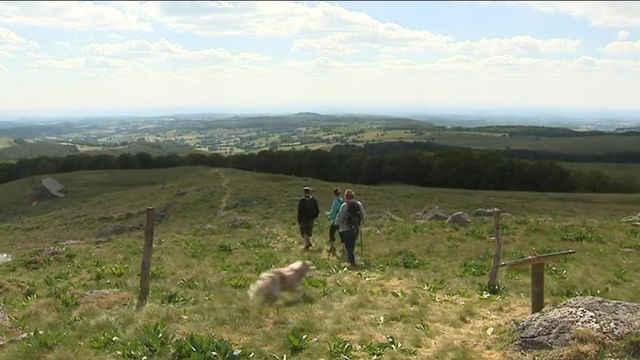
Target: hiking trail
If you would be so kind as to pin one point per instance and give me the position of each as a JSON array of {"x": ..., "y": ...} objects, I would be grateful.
[{"x": 227, "y": 192}]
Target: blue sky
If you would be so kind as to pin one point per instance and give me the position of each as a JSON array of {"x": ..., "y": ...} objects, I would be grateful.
[{"x": 118, "y": 57}]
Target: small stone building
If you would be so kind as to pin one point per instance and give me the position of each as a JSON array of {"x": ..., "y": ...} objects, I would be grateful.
[{"x": 47, "y": 188}]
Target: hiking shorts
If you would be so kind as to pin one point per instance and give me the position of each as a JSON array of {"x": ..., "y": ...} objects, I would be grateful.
[{"x": 306, "y": 228}]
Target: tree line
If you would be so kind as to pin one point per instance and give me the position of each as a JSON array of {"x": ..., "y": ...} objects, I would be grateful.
[{"x": 451, "y": 168}]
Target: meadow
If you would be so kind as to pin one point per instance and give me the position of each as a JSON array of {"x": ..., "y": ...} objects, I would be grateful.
[{"x": 420, "y": 294}]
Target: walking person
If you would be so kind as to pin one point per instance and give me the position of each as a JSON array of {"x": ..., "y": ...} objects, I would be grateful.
[
  {"x": 307, "y": 213},
  {"x": 349, "y": 220},
  {"x": 333, "y": 213}
]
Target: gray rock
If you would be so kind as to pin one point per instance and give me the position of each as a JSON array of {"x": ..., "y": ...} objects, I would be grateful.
[
  {"x": 635, "y": 218},
  {"x": 102, "y": 292},
  {"x": 388, "y": 216},
  {"x": 52, "y": 251},
  {"x": 483, "y": 212},
  {"x": 4, "y": 318},
  {"x": 110, "y": 230},
  {"x": 553, "y": 327},
  {"x": 459, "y": 218},
  {"x": 431, "y": 213},
  {"x": 238, "y": 222},
  {"x": 161, "y": 216},
  {"x": 5, "y": 258},
  {"x": 117, "y": 229}
]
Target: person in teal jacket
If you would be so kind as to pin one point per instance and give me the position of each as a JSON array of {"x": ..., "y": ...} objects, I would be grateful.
[{"x": 333, "y": 213}]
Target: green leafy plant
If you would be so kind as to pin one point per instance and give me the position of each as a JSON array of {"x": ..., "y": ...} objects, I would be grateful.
[
  {"x": 198, "y": 347},
  {"x": 175, "y": 298},
  {"x": 118, "y": 270},
  {"x": 151, "y": 340},
  {"x": 238, "y": 282},
  {"x": 340, "y": 348},
  {"x": 297, "y": 340},
  {"x": 104, "y": 340},
  {"x": 45, "y": 340},
  {"x": 478, "y": 266}
]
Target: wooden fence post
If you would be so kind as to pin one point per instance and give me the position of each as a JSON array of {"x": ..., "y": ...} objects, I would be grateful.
[
  {"x": 145, "y": 271},
  {"x": 537, "y": 287},
  {"x": 497, "y": 252},
  {"x": 537, "y": 275}
]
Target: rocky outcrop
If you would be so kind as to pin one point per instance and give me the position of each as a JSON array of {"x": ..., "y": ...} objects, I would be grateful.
[
  {"x": 4, "y": 318},
  {"x": 483, "y": 212},
  {"x": 430, "y": 213},
  {"x": 4, "y": 258},
  {"x": 388, "y": 216},
  {"x": 459, "y": 218},
  {"x": 554, "y": 327}
]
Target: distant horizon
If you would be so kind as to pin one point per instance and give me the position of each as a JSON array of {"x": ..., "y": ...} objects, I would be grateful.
[{"x": 472, "y": 111}]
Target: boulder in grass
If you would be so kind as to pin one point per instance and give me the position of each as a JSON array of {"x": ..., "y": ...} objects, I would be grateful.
[
  {"x": 459, "y": 218},
  {"x": 388, "y": 216},
  {"x": 556, "y": 326},
  {"x": 431, "y": 213}
]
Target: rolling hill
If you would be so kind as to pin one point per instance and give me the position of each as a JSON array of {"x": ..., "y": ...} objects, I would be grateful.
[{"x": 420, "y": 293}]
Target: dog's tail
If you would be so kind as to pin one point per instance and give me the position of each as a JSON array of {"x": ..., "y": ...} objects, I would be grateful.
[{"x": 254, "y": 289}]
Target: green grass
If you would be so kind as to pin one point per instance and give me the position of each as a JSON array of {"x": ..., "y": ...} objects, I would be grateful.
[
  {"x": 612, "y": 169},
  {"x": 416, "y": 297},
  {"x": 5, "y": 142},
  {"x": 578, "y": 145}
]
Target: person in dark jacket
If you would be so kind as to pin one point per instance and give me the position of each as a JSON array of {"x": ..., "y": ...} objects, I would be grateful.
[
  {"x": 307, "y": 213},
  {"x": 349, "y": 221}
]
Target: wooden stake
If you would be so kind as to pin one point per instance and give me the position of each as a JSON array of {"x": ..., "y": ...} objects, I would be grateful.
[
  {"x": 145, "y": 271},
  {"x": 537, "y": 287},
  {"x": 537, "y": 275},
  {"x": 497, "y": 252}
]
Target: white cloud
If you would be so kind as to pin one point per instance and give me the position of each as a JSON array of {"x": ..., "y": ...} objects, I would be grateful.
[
  {"x": 457, "y": 80},
  {"x": 79, "y": 15},
  {"x": 11, "y": 42},
  {"x": 80, "y": 63},
  {"x": 167, "y": 50},
  {"x": 616, "y": 14},
  {"x": 623, "y": 48},
  {"x": 515, "y": 45},
  {"x": 623, "y": 35}
]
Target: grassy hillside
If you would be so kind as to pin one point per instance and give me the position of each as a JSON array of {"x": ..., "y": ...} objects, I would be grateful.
[
  {"x": 577, "y": 145},
  {"x": 31, "y": 150},
  {"x": 421, "y": 284}
]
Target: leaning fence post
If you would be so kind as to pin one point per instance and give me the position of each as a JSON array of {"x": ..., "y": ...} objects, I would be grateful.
[
  {"x": 145, "y": 271},
  {"x": 497, "y": 252}
]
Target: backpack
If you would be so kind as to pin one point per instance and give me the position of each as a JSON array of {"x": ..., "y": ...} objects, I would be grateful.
[
  {"x": 354, "y": 216},
  {"x": 308, "y": 207}
]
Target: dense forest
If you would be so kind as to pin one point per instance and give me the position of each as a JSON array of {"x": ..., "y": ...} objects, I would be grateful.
[{"x": 439, "y": 167}]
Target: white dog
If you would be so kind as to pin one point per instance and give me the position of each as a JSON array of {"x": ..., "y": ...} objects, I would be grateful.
[{"x": 270, "y": 283}]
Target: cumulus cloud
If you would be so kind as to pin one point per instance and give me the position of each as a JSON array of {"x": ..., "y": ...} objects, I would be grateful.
[
  {"x": 11, "y": 42},
  {"x": 165, "y": 49},
  {"x": 623, "y": 48},
  {"x": 616, "y": 14},
  {"x": 458, "y": 79},
  {"x": 79, "y": 63},
  {"x": 79, "y": 15},
  {"x": 623, "y": 35}
]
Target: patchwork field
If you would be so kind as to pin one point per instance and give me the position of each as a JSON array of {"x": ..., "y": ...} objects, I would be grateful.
[{"x": 421, "y": 293}]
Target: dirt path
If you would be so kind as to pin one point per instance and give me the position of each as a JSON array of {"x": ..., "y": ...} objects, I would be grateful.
[{"x": 227, "y": 192}]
